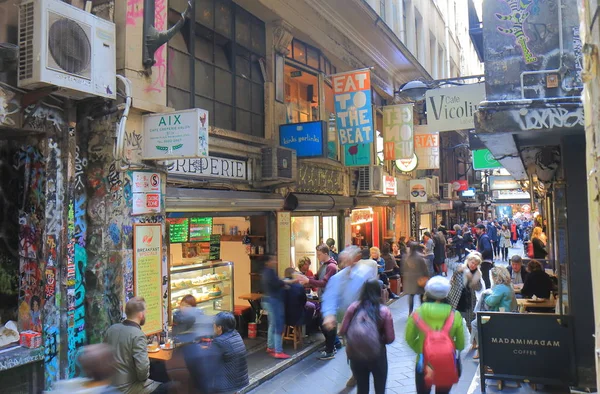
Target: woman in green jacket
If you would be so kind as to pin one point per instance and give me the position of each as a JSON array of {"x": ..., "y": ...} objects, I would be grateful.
[{"x": 434, "y": 312}]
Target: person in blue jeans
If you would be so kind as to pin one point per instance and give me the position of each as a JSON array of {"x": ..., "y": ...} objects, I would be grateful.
[{"x": 273, "y": 300}]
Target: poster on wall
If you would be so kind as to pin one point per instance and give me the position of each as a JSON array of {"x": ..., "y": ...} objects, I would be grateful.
[
  {"x": 354, "y": 111},
  {"x": 146, "y": 192},
  {"x": 147, "y": 273},
  {"x": 357, "y": 155},
  {"x": 398, "y": 140},
  {"x": 427, "y": 148},
  {"x": 418, "y": 190}
]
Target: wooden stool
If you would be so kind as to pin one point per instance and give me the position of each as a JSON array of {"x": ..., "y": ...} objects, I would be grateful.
[
  {"x": 241, "y": 313},
  {"x": 294, "y": 334}
]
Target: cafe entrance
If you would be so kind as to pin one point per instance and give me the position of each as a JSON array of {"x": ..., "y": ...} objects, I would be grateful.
[{"x": 310, "y": 230}]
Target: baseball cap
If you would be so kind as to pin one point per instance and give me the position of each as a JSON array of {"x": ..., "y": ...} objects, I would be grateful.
[{"x": 437, "y": 287}]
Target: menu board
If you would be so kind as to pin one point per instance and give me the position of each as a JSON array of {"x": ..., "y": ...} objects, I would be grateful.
[
  {"x": 215, "y": 247},
  {"x": 200, "y": 229},
  {"x": 178, "y": 230},
  {"x": 147, "y": 273}
]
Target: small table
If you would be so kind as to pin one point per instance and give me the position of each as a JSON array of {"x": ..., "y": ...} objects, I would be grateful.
[
  {"x": 254, "y": 301},
  {"x": 525, "y": 304},
  {"x": 161, "y": 355}
]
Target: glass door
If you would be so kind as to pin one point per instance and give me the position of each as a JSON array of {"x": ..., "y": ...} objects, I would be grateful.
[{"x": 310, "y": 231}]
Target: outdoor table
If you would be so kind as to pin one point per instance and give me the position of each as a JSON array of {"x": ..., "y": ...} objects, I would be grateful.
[
  {"x": 161, "y": 355},
  {"x": 254, "y": 301},
  {"x": 525, "y": 304}
]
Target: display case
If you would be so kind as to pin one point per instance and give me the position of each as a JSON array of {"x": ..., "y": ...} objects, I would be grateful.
[{"x": 210, "y": 282}]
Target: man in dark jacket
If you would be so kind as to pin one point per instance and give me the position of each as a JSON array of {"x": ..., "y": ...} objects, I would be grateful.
[
  {"x": 484, "y": 246},
  {"x": 492, "y": 233},
  {"x": 517, "y": 273},
  {"x": 229, "y": 343},
  {"x": 439, "y": 251},
  {"x": 294, "y": 301}
]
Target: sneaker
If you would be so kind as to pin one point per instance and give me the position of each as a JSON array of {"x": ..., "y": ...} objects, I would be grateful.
[
  {"x": 270, "y": 351},
  {"x": 327, "y": 356},
  {"x": 394, "y": 296},
  {"x": 351, "y": 382},
  {"x": 281, "y": 356},
  {"x": 338, "y": 346}
]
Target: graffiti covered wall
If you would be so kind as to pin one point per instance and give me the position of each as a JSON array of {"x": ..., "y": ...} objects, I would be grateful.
[{"x": 525, "y": 36}]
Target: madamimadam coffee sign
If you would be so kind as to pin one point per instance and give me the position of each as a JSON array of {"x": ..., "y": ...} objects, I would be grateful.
[{"x": 513, "y": 347}]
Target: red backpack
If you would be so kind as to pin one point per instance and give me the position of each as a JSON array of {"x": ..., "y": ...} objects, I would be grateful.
[{"x": 439, "y": 354}]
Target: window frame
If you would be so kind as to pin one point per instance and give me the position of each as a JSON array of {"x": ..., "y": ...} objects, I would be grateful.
[{"x": 232, "y": 51}]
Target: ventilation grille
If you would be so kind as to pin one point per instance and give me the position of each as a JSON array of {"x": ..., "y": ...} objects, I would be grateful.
[
  {"x": 26, "y": 24},
  {"x": 364, "y": 179},
  {"x": 69, "y": 46}
]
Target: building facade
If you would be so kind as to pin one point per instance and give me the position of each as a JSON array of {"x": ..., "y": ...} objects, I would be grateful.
[{"x": 74, "y": 175}]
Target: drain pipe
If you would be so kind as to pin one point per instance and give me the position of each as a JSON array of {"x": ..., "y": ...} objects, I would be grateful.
[{"x": 561, "y": 49}]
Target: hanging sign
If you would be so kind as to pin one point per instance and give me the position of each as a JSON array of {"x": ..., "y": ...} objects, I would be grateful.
[
  {"x": 407, "y": 165},
  {"x": 146, "y": 192},
  {"x": 390, "y": 186},
  {"x": 503, "y": 182},
  {"x": 147, "y": 271},
  {"x": 460, "y": 185},
  {"x": 176, "y": 135},
  {"x": 398, "y": 132},
  {"x": 414, "y": 221},
  {"x": 308, "y": 139},
  {"x": 427, "y": 148},
  {"x": 357, "y": 155},
  {"x": 354, "y": 112},
  {"x": 363, "y": 215},
  {"x": 453, "y": 108},
  {"x": 418, "y": 190},
  {"x": 484, "y": 160}
]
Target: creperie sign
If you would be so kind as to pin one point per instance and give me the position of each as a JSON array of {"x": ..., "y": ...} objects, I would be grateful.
[{"x": 353, "y": 108}]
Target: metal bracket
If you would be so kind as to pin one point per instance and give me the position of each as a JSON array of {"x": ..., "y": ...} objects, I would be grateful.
[{"x": 154, "y": 39}]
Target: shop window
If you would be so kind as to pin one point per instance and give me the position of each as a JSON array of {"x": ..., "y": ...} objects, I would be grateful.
[
  {"x": 301, "y": 95},
  {"x": 227, "y": 78}
]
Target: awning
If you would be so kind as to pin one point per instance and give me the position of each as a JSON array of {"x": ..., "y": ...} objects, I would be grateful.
[
  {"x": 317, "y": 202},
  {"x": 363, "y": 202},
  {"x": 203, "y": 200}
]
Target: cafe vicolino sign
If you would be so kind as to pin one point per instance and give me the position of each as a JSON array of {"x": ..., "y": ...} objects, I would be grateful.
[{"x": 453, "y": 108}]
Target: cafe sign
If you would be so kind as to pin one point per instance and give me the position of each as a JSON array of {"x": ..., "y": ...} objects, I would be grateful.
[
  {"x": 453, "y": 108},
  {"x": 177, "y": 134},
  {"x": 212, "y": 167}
]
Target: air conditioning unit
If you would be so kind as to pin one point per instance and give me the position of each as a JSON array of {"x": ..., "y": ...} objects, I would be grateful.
[
  {"x": 434, "y": 186},
  {"x": 403, "y": 189},
  {"x": 64, "y": 46},
  {"x": 447, "y": 192},
  {"x": 278, "y": 164},
  {"x": 370, "y": 180}
]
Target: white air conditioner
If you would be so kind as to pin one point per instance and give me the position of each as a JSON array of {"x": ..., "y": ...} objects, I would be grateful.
[
  {"x": 370, "y": 180},
  {"x": 64, "y": 46},
  {"x": 447, "y": 192},
  {"x": 434, "y": 181},
  {"x": 403, "y": 189}
]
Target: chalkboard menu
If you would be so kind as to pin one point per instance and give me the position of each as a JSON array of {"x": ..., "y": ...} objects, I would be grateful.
[
  {"x": 200, "y": 229},
  {"x": 178, "y": 230},
  {"x": 215, "y": 247}
]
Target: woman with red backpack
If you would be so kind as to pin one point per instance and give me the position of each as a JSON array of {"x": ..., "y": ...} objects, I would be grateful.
[
  {"x": 435, "y": 332},
  {"x": 368, "y": 326}
]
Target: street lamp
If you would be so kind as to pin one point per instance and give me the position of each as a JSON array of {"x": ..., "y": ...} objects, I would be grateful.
[{"x": 415, "y": 90}]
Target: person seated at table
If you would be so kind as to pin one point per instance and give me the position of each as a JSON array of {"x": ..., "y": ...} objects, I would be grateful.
[
  {"x": 294, "y": 301},
  {"x": 538, "y": 282},
  {"x": 518, "y": 275},
  {"x": 304, "y": 268},
  {"x": 190, "y": 317},
  {"x": 130, "y": 348},
  {"x": 231, "y": 348},
  {"x": 501, "y": 297}
]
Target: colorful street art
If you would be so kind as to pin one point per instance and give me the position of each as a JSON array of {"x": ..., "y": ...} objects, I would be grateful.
[{"x": 518, "y": 16}]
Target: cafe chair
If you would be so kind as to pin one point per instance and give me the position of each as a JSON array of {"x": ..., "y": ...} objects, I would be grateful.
[{"x": 294, "y": 334}]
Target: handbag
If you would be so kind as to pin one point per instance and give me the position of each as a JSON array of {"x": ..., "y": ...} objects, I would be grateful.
[
  {"x": 530, "y": 250},
  {"x": 457, "y": 286}
]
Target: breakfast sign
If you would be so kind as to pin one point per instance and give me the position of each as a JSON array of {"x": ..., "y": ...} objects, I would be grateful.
[{"x": 147, "y": 273}]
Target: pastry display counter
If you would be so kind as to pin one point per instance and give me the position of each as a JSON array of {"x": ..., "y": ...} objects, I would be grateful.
[{"x": 210, "y": 282}]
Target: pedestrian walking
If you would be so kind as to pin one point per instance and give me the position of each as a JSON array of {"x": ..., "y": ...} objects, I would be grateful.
[
  {"x": 439, "y": 252},
  {"x": 97, "y": 364},
  {"x": 343, "y": 289},
  {"x": 414, "y": 275},
  {"x": 435, "y": 333},
  {"x": 368, "y": 326},
  {"x": 465, "y": 284},
  {"x": 428, "y": 252},
  {"x": 273, "y": 303},
  {"x": 484, "y": 246},
  {"x": 458, "y": 242},
  {"x": 504, "y": 241},
  {"x": 492, "y": 233}
]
